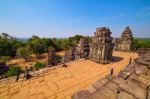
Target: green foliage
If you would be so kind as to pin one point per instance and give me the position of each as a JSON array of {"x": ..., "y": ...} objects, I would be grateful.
[
  {"x": 13, "y": 71},
  {"x": 141, "y": 43},
  {"x": 35, "y": 45},
  {"x": 4, "y": 58},
  {"x": 47, "y": 43},
  {"x": 9, "y": 45},
  {"x": 73, "y": 41},
  {"x": 23, "y": 52},
  {"x": 39, "y": 65},
  {"x": 58, "y": 58}
]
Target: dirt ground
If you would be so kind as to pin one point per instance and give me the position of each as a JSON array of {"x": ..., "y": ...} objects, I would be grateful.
[
  {"x": 31, "y": 61},
  {"x": 61, "y": 83}
]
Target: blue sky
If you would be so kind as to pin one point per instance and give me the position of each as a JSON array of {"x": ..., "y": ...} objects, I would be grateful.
[{"x": 63, "y": 18}]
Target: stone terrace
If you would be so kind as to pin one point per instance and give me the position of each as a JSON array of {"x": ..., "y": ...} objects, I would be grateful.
[
  {"x": 62, "y": 83},
  {"x": 131, "y": 83}
]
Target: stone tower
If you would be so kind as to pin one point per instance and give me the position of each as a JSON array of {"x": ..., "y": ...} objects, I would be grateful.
[
  {"x": 101, "y": 47},
  {"x": 71, "y": 54},
  {"x": 52, "y": 57},
  {"x": 82, "y": 49},
  {"x": 126, "y": 40}
]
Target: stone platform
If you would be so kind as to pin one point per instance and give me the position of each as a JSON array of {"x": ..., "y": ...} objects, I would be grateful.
[
  {"x": 132, "y": 83},
  {"x": 62, "y": 83}
]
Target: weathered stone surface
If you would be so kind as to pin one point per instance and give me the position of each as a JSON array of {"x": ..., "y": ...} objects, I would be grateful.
[
  {"x": 3, "y": 68},
  {"x": 91, "y": 89},
  {"x": 81, "y": 95},
  {"x": 113, "y": 86},
  {"x": 64, "y": 59},
  {"x": 51, "y": 57},
  {"x": 71, "y": 54},
  {"x": 144, "y": 58},
  {"x": 148, "y": 93},
  {"x": 124, "y": 75},
  {"x": 124, "y": 43},
  {"x": 101, "y": 47},
  {"x": 99, "y": 95},
  {"x": 131, "y": 87},
  {"x": 60, "y": 83},
  {"x": 97, "y": 85},
  {"x": 82, "y": 49},
  {"x": 131, "y": 83},
  {"x": 124, "y": 95}
]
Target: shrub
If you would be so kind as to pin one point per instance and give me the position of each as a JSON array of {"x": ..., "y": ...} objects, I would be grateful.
[
  {"x": 23, "y": 52},
  {"x": 58, "y": 58},
  {"x": 39, "y": 65},
  {"x": 4, "y": 58},
  {"x": 13, "y": 71}
]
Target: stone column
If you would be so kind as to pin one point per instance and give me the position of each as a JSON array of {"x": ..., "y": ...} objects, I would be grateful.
[{"x": 52, "y": 58}]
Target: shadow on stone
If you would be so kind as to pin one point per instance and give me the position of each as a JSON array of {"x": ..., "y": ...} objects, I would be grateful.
[{"x": 117, "y": 59}]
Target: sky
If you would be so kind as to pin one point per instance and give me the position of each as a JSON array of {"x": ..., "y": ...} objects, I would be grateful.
[{"x": 64, "y": 18}]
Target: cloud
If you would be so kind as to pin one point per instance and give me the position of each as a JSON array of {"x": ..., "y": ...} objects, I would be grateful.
[{"x": 112, "y": 17}]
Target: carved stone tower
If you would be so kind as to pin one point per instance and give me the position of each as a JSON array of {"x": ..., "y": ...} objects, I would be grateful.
[
  {"x": 71, "y": 54},
  {"x": 101, "y": 47},
  {"x": 52, "y": 57},
  {"x": 126, "y": 40},
  {"x": 82, "y": 49}
]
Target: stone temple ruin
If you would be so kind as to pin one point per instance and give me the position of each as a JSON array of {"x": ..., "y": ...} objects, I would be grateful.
[
  {"x": 51, "y": 57},
  {"x": 125, "y": 42},
  {"x": 101, "y": 47},
  {"x": 82, "y": 49},
  {"x": 71, "y": 54}
]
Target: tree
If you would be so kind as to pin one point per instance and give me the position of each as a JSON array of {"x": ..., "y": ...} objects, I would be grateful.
[
  {"x": 23, "y": 52},
  {"x": 4, "y": 59},
  {"x": 47, "y": 42},
  {"x": 5, "y": 35},
  {"x": 8, "y": 45},
  {"x": 35, "y": 45},
  {"x": 141, "y": 43}
]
